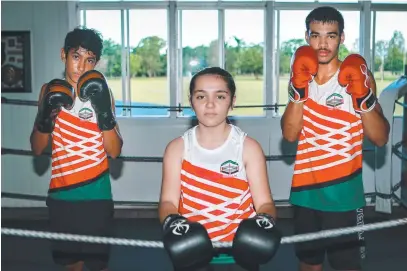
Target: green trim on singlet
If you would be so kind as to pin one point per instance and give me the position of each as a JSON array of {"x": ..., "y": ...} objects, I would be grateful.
[
  {"x": 341, "y": 197},
  {"x": 97, "y": 190},
  {"x": 223, "y": 259}
]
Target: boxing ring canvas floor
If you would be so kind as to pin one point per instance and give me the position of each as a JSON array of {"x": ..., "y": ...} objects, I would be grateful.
[{"x": 386, "y": 248}]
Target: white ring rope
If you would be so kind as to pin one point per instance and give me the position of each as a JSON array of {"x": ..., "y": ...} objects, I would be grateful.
[{"x": 157, "y": 244}]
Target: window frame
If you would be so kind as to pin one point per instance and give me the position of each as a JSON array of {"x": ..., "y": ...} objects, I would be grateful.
[{"x": 271, "y": 63}]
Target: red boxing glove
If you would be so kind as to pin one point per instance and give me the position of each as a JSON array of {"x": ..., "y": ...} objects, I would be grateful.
[
  {"x": 304, "y": 66},
  {"x": 353, "y": 75}
]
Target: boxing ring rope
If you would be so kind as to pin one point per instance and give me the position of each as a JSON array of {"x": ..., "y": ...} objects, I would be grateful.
[{"x": 156, "y": 244}]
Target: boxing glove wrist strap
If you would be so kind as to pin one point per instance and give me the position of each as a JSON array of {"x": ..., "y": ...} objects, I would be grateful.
[
  {"x": 365, "y": 103},
  {"x": 296, "y": 95}
]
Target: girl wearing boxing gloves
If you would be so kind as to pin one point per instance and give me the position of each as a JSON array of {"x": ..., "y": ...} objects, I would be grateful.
[
  {"x": 77, "y": 113},
  {"x": 215, "y": 186},
  {"x": 332, "y": 107}
]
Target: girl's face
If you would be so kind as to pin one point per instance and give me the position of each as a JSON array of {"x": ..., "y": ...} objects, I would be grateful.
[{"x": 211, "y": 100}]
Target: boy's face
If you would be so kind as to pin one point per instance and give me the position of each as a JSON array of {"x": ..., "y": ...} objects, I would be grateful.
[
  {"x": 77, "y": 62},
  {"x": 325, "y": 39}
]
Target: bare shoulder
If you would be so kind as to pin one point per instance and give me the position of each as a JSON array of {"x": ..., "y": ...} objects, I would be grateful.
[
  {"x": 175, "y": 148},
  {"x": 250, "y": 142},
  {"x": 252, "y": 148}
]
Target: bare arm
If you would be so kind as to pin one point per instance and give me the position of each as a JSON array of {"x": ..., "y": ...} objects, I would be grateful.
[
  {"x": 112, "y": 140},
  {"x": 291, "y": 121},
  {"x": 256, "y": 170},
  {"x": 171, "y": 181},
  {"x": 375, "y": 125},
  {"x": 39, "y": 141}
]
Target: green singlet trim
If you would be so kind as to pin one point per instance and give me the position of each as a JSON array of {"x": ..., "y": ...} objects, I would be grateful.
[{"x": 100, "y": 189}]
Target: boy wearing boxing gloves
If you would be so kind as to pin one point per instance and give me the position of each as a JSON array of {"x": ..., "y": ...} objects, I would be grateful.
[
  {"x": 332, "y": 107},
  {"x": 77, "y": 112}
]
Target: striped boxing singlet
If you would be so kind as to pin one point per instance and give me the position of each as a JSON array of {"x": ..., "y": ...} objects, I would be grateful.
[
  {"x": 214, "y": 187},
  {"x": 78, "y": 155},
  {"x": 328, "y": 165}
]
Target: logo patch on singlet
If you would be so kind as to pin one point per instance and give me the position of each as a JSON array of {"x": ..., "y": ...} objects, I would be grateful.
[
  {"x": 229, "y": 167},
  {"x": 334, "y": 100},
  {"x": 85, "y": 113}
]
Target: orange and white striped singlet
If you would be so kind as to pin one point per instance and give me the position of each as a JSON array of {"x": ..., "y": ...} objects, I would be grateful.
[
  {"x": 78, "y": 155},
  {"x": 214, "y": 187},
  {"x": 330, "y": 145}
]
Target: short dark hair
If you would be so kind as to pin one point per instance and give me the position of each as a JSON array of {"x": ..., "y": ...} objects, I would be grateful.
[
  {"x": 89, "y": 39},
  {"x": 325, "y": 14},
  {"x": 226, "y": 76}
]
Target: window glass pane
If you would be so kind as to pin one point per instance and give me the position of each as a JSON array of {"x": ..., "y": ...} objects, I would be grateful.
[
  {"x": 244, "y": 38},
  {"x": 82, "y": 17},
  {"x": 292, "y": 32},
  {"x": 352, "y": 33},
  {"x": 148, "y": 61},
  {"x": 338, "y": 1},
  {"x": 292, "y": 35},
  {"x": 295, "y": 1},
  {"x": 389, "y": 2},
  {"x": 110, "y": 62},
  {"x": 199, "y": 43},
  {"x": 117, "y": 0},
  {"x": 390, "y": 49}
]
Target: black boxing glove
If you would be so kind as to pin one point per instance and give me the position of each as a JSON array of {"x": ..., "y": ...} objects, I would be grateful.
[
  {"x": 256, "y": 240},
  {"x": 92, "y": 86},
  {"x": 187, "y": 243},
  {"x": 57, "y": 94}
]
